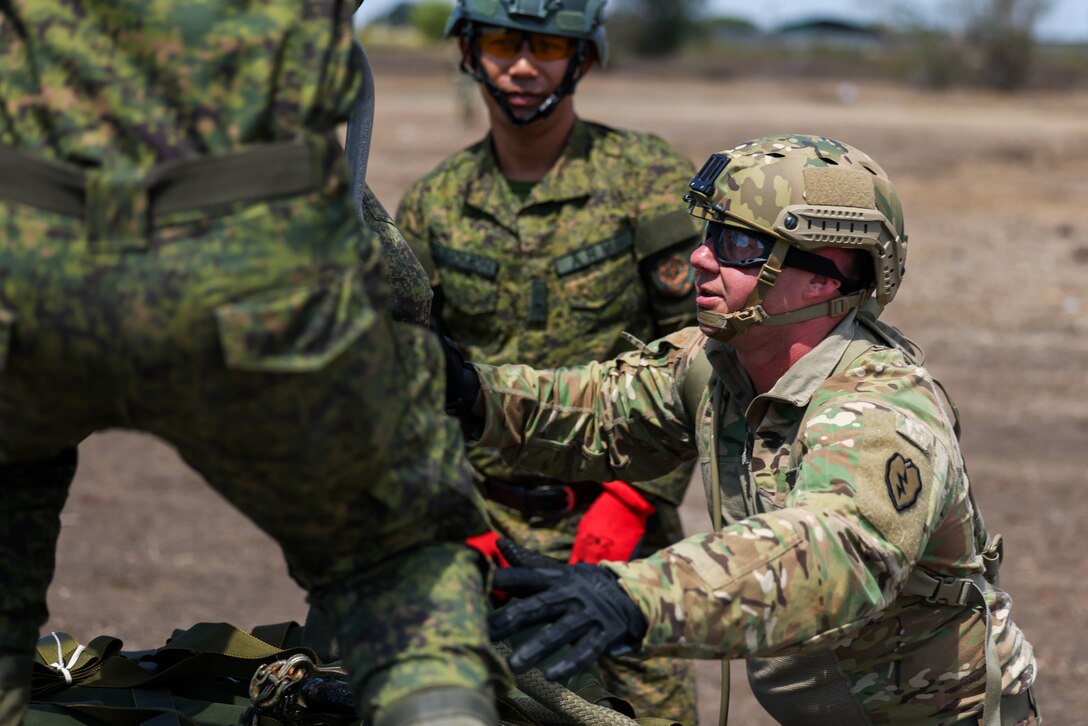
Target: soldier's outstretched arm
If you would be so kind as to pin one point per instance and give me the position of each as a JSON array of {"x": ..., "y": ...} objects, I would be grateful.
[{"x": 622, "y": 419}]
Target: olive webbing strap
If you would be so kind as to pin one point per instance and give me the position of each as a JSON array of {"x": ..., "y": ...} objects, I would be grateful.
[
  {"x": 62, "y": 661},
  {"x": 961, "y": 591},
  {"x": 716, "y": 519},
  {"x": 203, "y": 651},
  {"x": 263, "y": 172},
  {"x": 41, "y": 183},
  {"x": 250, "y": 175},
  {"x": 956, "y": 590},
  {"x": 187, "y": 712},
  {"x": 157, "y": 699},
  {"x": 694, "y": 384},
  {"x": 73, "y": 682}
]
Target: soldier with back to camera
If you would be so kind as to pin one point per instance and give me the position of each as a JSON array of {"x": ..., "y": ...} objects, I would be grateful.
[{"x": 184, "y": 252}]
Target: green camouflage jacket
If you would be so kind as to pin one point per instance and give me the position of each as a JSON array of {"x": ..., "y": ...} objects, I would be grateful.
[
  {"x": 209, "y": 77},
  {"x": 205, "y": 78},
  {"x": 599, "y": 247},
  {"x": 835, "y": 485}
]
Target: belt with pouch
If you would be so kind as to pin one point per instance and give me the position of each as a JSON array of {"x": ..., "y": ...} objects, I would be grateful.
[{"x": 557, "y": 498}]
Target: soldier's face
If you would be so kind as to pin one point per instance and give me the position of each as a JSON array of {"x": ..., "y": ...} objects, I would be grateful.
[
  {"x": 725, "y": 289},
  {"x": 720, "y": 289},
  {"x": 524, "y": 79}
]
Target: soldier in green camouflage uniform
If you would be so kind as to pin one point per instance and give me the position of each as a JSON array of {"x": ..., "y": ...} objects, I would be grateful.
[
  {"x": 181, "y": 253},
  {"x": 852, "y": 569},
  {"x": 551, "y": 267}
]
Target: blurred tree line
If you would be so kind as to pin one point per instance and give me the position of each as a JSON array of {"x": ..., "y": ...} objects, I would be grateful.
[
  {"x": 989, "y": 43},
  {"x": 652, "y": 28},
  {"x": 995, "y": 47}
]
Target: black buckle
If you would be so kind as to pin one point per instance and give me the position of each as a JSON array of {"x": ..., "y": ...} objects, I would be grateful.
[
  {"x": 949, "y": 591},
  {"x": 837, "y": 306}
]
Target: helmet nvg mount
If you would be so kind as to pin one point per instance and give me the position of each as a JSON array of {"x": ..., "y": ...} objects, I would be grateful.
[
  {"x": 803, "y": 192},
  {"x": 582, "y": 20}
]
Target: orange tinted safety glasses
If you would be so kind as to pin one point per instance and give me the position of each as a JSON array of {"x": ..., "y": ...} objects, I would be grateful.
[{"x": 506, "y": 43}]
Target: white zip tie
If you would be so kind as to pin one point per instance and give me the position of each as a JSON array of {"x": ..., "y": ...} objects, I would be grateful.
[{"x": 59, "y": 665}]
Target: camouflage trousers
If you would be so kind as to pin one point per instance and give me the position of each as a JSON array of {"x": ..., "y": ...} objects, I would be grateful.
[
  {"x": 254, "y": 341},
  {"x": 659, "y": 687}
]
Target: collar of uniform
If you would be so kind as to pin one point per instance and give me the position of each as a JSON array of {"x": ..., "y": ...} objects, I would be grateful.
[
  {"x": 796, "y": 387},
  {"x": 490, "y": 192},
  {"x": 567, "y": 179},
  {"x": 735, "y": 380},
  {"x": 808, "y": 374}
]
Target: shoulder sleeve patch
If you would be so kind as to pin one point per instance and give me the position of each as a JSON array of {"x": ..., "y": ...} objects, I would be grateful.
[
  {"x": 896, "y": 486},
  {"x": 904, "y": 482},
  {"x": 673, "y": 276},
  {"x": 658, "y": 233}
]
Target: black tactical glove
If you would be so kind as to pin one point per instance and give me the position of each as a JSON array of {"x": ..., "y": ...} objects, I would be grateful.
[
  {"x": 587, "y": 609},
  {"x": 462, "y": 381}
]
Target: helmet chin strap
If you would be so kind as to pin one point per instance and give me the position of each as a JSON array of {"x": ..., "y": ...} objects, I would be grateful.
[
  {"x": 729, "y": 325},
  {"x": 565, "y": 88}
]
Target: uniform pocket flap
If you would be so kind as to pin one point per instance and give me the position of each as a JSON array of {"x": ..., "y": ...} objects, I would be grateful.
[
  {"x": 296, "y": 329},
  {"x": 469, "y": 294}
]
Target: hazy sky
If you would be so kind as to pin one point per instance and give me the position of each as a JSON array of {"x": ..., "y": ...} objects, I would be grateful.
[{"x": 1067, "y": 19}]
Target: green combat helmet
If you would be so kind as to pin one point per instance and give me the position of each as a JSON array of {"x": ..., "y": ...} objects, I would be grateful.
[
  {"x": 793, "y": 194},
  {"x": 582, "y": 20}
]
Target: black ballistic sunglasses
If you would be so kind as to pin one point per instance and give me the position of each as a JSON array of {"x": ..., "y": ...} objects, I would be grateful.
[{"x": 736, "y": 247}]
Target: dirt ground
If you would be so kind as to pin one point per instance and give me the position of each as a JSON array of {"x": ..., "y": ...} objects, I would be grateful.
[{"x": 995, "y": 190}]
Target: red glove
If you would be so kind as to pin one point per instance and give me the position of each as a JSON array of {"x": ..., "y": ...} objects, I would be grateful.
[
  {"x": 612, "y": 526},
  {"x": 486, "y": 545}
]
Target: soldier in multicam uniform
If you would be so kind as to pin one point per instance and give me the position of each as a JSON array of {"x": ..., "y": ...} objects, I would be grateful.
[
  {"x": 851, "y": 569},
  {"x": 547, "y": 241},
  {"x": 182, "y": 254}
]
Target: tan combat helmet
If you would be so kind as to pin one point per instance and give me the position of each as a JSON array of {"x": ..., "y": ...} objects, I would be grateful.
[{"x": 794, "y": 194}]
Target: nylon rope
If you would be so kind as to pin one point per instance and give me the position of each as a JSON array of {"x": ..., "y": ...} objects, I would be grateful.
[{"x": 564, "y": 702}]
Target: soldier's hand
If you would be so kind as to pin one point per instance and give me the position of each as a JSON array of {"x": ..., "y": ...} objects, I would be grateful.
[
  {"x": 462, "y": 381},
  {"x": 584, "y": 604}
]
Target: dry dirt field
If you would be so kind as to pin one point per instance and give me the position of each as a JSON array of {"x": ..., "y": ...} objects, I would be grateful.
[{"x": 996, "y": 194}]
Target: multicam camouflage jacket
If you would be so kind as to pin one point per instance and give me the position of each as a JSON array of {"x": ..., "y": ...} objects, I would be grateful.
[
  {"x": 598, "y": 247},
  {"x": 835, "y": 486}
]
